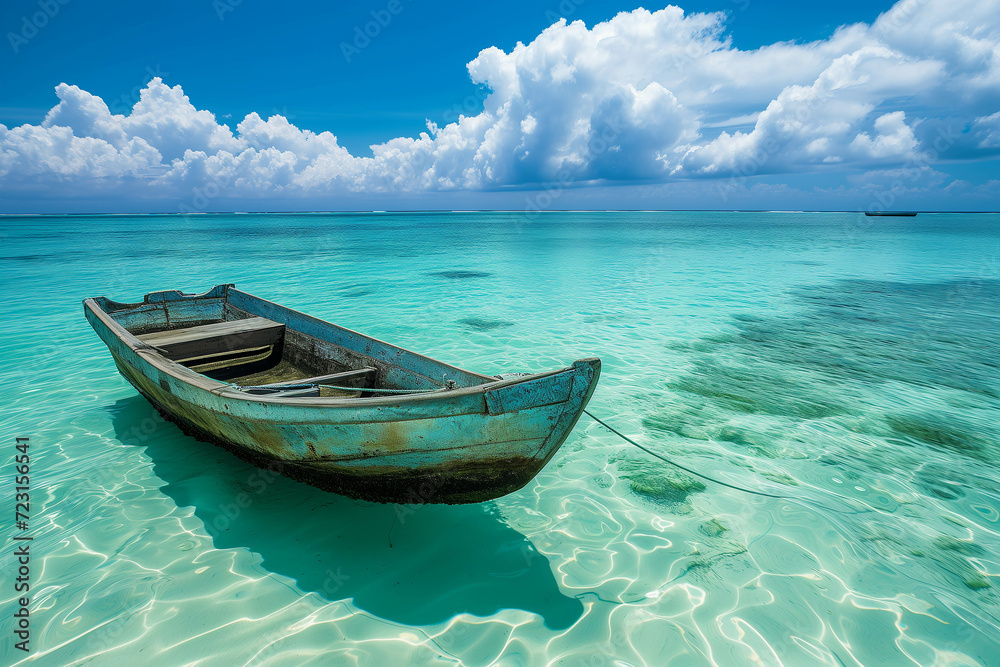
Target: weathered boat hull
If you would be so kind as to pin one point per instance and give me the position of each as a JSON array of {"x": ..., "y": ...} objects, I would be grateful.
[{"x": 468, "y": 444}]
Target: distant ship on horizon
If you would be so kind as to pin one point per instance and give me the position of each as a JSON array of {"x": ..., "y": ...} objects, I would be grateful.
[{"x": 908, "y": 214}]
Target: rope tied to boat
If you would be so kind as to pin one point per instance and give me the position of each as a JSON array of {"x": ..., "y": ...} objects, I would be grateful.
[
  {"x": 372, "y": 390},
  {"x": 382, "y": 391},
  {"x": 676, "y": 465},
  {"x": 720, "y": 482}
]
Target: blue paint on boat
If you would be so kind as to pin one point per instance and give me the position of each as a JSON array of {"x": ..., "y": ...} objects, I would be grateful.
[{"x": 465, "y": 437}]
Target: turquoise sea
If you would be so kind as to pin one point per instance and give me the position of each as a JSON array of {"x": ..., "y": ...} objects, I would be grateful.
[{"x": 849, "y": 365}]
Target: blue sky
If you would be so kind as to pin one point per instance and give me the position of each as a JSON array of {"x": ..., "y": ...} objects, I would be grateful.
[
  {"x": 259, "y": 58},
  {"x": 651, "y": 109}
]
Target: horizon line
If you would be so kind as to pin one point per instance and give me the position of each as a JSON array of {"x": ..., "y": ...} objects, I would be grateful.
[{"x": 524, "y": 211}]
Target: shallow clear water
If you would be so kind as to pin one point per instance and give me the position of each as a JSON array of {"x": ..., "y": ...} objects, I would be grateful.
[{"x": 847, "y": 364}]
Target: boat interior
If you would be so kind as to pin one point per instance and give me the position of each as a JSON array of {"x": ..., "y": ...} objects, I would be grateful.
[
  {"x": 262, "y": 356},
  {"x": 254, "y": 353}
]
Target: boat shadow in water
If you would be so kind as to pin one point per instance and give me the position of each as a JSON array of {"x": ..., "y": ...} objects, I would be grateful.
[{"x": 443, "y": 559}]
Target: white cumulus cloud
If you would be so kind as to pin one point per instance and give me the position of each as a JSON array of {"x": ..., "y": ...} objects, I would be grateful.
[
  {"x": 988, "y": 130},
  {"x": 643, "y": 97}
]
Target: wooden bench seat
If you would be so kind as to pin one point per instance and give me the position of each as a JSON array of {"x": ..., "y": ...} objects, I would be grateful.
[{"x": 213, "y": 339}]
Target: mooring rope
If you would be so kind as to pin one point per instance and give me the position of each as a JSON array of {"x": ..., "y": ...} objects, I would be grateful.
[
  {"x": 676, "y": 465},
  {"x": 293, "y": 387},
  {"x": 383, "y": 391},
  {"x": 717, "y": 481}
]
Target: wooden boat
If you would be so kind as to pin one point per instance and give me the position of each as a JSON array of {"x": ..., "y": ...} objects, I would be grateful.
[{"x": 335, "y": 408}]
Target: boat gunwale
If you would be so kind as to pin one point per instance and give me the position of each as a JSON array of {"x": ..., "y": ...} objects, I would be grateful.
[{"x": 226, "y": 390}]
